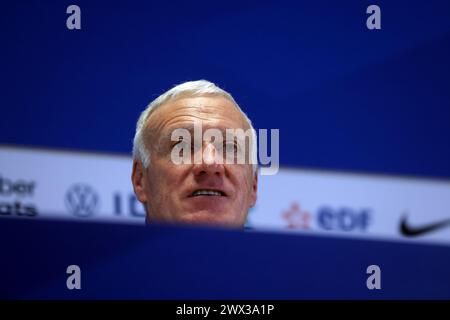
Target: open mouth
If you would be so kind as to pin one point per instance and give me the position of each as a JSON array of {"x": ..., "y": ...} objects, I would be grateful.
[{"x": 208, "y": 192}]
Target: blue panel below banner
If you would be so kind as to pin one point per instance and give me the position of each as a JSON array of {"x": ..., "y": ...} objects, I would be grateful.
[{"x": 161, "y": 262}]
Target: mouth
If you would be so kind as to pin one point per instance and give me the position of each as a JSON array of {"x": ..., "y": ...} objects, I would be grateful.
[{"x": 208, "y": 193}]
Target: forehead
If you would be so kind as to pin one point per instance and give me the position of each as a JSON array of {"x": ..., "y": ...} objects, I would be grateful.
[{"x": 213, "y": 112}]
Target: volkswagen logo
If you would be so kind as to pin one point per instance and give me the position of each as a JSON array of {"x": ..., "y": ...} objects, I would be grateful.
[{"x": 81, "y": 200}]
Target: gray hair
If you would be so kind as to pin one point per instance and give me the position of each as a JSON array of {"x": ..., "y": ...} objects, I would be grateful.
[{"x": 186, "y": 89}]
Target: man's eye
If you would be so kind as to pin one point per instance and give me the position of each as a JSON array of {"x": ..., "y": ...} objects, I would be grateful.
[
  {"x": 183, "y": 144},
  {"x": 231, "y": 147},
  {"x": 174, "y": 143}
]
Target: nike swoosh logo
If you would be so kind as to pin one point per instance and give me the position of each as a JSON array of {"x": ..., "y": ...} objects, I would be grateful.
[{"x": 409, "y": 231}]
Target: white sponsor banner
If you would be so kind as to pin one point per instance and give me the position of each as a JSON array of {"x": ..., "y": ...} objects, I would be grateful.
[
  {"x": 67, "y": 185},
  {"x": 96, "y": 187},
  {"x": 357, "y": 205}
]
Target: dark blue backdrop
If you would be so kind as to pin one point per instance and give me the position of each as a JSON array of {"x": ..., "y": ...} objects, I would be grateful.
[
  {"x": 134, "y": 262},
  {"x": 343, "y": 97}
]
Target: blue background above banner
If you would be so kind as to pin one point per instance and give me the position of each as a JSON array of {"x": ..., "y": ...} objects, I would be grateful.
[
  {"x": 161, "y": 262},
  {"x": 344, "y": 97}
]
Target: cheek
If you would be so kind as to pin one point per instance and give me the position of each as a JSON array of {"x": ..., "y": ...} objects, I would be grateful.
[
  {"x": 152, "y": 189},
  {"x": 166, "y": 178},
  {"x": 243, "y": 183},
  {"x": 155, "y": 177}
]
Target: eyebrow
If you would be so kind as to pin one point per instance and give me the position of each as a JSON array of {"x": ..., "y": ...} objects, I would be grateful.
[
  {"x": 166, "y": 136},
  {"x": 190, "y": 129}
]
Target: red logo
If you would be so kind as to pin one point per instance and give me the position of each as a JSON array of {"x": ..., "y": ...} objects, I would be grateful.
[{"x": 296, "y": 218}]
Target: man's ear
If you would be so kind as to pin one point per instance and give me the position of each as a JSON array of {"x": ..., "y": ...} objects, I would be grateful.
[
  {"x": 138, "y": 181},
  {"x": 254, "y": 190}
]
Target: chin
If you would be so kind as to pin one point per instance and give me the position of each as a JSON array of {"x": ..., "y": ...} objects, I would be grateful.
[{"x": 210, "y": 219}]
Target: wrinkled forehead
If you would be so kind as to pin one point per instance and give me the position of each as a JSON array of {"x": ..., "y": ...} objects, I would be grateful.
[{"x": 210, "y": 112}]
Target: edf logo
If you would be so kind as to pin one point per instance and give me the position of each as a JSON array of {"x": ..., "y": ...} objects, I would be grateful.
[
  {"x": 327, "y": 218},
  {"x": 343, "y": 219}
]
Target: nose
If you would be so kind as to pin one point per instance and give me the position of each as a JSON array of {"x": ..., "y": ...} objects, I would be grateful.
[{"x": 212, "y": 162}]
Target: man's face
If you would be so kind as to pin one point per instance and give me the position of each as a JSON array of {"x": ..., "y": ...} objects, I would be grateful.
[{"x": 173, "y": 192}]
